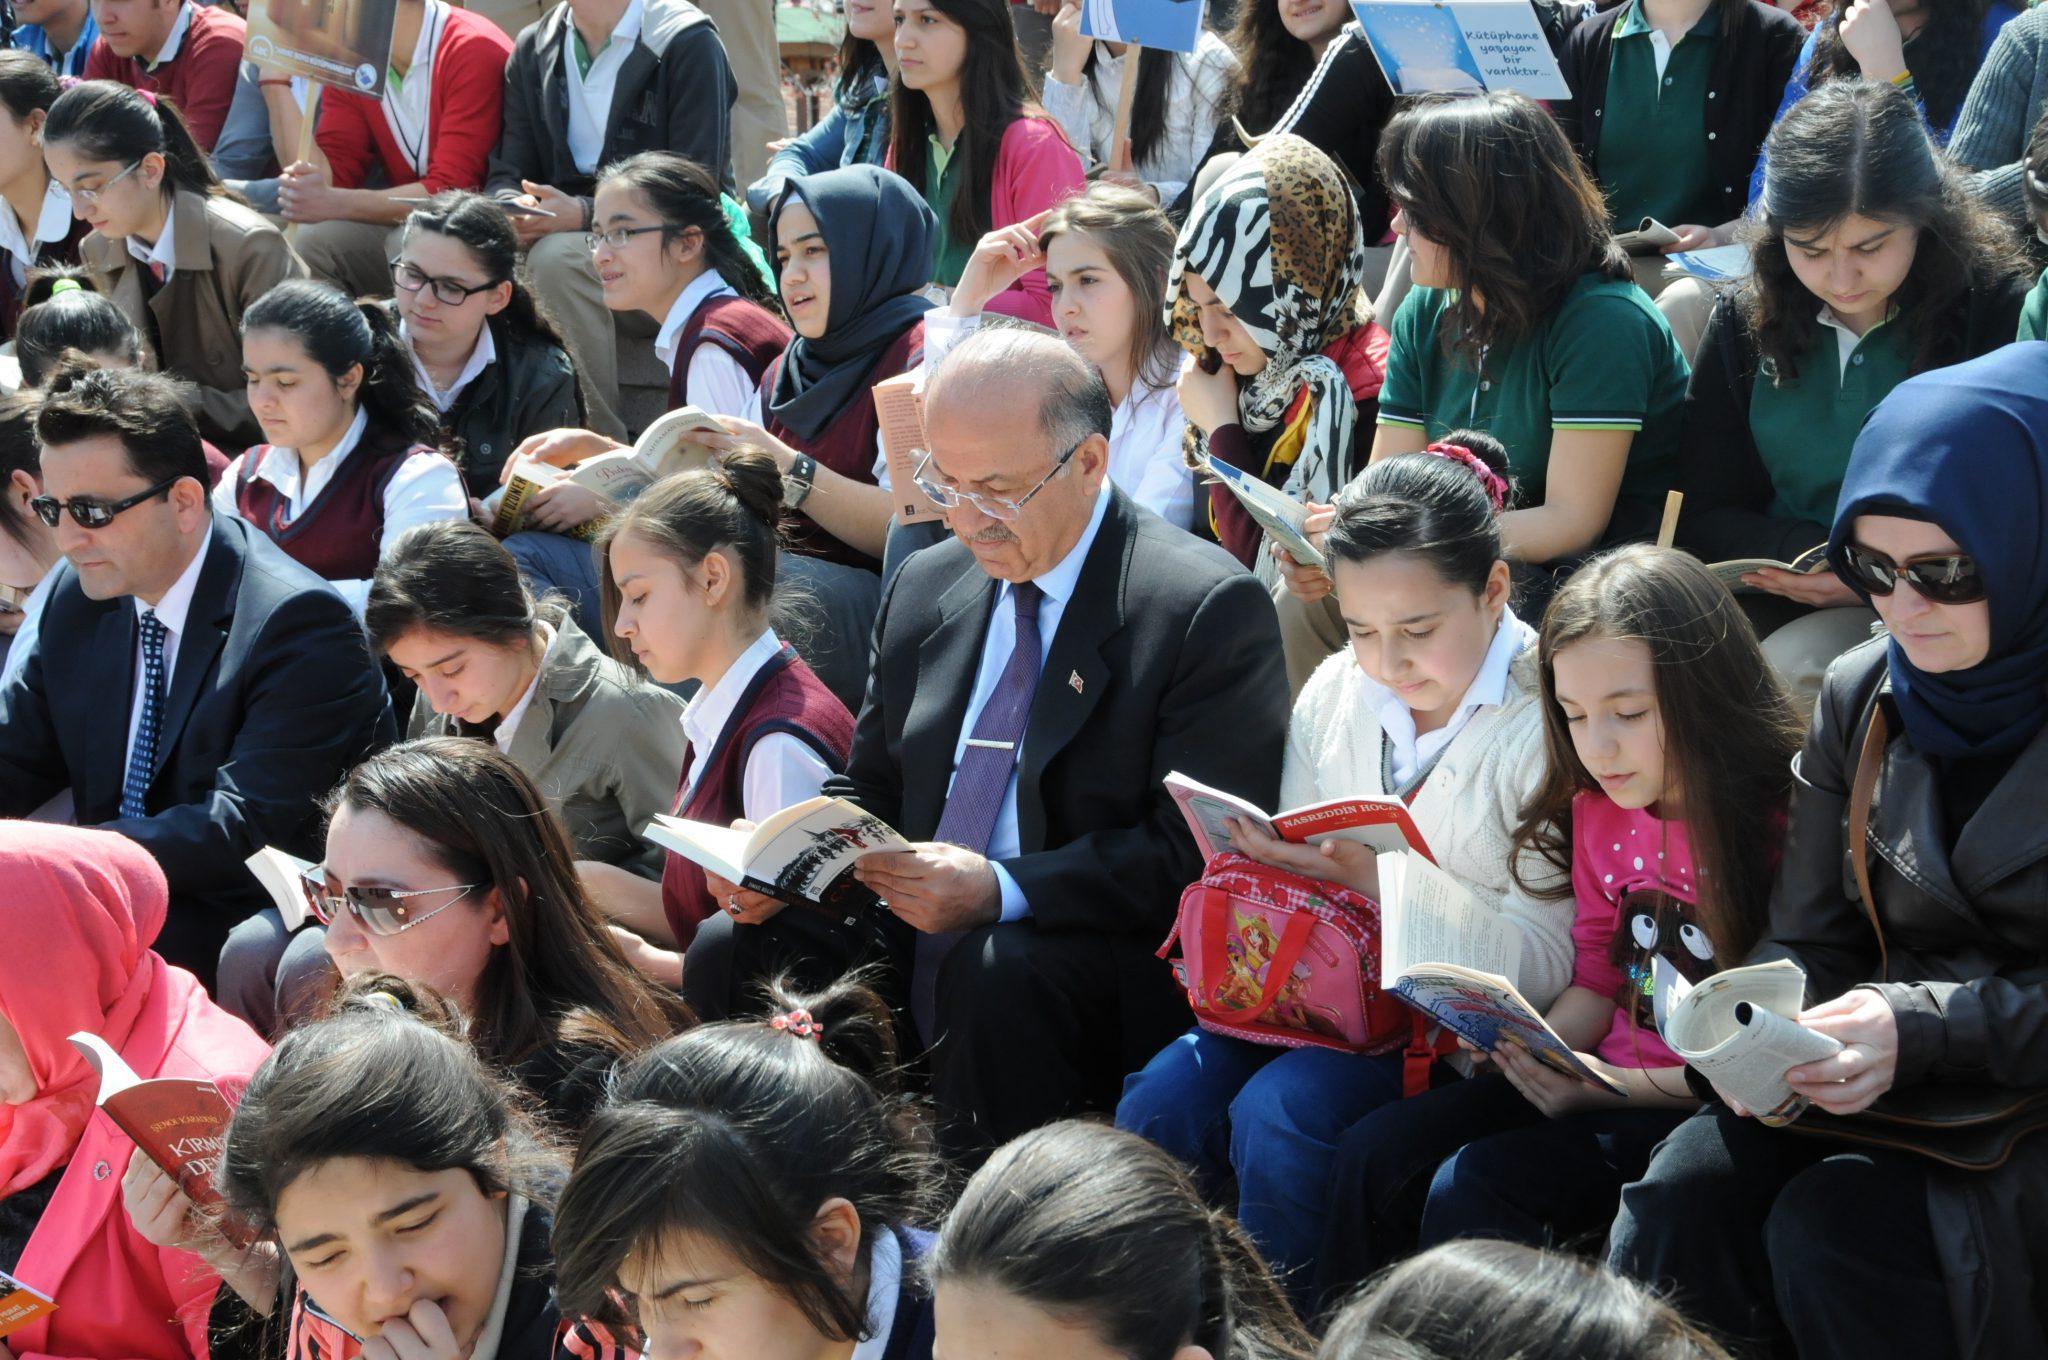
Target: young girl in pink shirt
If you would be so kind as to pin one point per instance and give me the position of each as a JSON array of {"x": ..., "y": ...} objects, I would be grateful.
[{"x": 1669, "y": 747}]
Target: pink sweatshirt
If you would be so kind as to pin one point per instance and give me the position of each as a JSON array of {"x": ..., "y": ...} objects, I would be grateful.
[{"x": 1035, "y": 168}]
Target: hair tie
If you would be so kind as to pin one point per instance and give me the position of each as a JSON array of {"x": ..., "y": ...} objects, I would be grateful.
[
  {"x": 63, "y": 286},
  {"x": 799, "y": 1023},
  {"x": 1496, "y": 486},
  {"x": 385, "y": 1001},
  {"x": 743, "y": 237},
  {"x": 147, "y": 97}
]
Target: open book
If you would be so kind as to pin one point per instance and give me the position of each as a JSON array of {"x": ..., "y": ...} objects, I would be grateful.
[
  {"x": 1648, "y": 239},
  {"x": 899, "y": 413},
  {"x": 1378, "y": 821},
  {"x": 1715, "y": 264},
  {"x": 1738, "y": 1029},
  {"x": 662, "y": 450},
  {"x": 803, "y": 854},
  {"x": 1283, "y": 518},
  {"x": 20, "y": 1304},
  {"x": 1447, "y": 954},
  {"x": 289, "y": 881},
  {"x": 1809, "y": 563},
  {"x": 180, "y": 1123}
]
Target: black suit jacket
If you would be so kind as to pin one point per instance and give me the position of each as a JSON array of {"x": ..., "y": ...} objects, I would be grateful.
[
  {"x": 273, "y": 697},
  {"x": 1167, "y": 658},
  {"x": 675, "y": 93}
]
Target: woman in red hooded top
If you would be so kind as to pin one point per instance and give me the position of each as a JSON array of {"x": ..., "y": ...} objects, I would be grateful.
[{"x": 83, "y": 909}]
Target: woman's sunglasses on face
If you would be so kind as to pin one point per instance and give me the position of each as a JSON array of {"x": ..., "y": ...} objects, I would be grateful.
[
  {"x": 380, "y": 911},
  {"x": 1939, "y": 578}
]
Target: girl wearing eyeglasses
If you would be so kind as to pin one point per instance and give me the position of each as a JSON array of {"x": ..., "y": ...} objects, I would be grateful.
[
  {"x": 446, "y": 867},
  {"x": 350, "y": 461},
  {"x": 176, "y": 252},
  {"x": 484, "y": 352},
  {"x": 1873, "y": 262},
  {"x": 1921, "y": 939}
]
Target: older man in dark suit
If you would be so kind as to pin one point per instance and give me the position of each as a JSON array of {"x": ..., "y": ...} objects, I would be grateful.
[
  {"x": 196, "y": 689},
  {"x": 1034, "y": 680}
]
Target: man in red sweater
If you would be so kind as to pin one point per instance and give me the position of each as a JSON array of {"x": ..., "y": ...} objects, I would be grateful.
[{"x": 188, "y": 53}]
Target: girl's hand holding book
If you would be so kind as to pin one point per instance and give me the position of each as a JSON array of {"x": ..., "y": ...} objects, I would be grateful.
[
  {"x": 1345, "y": 863},
  {"x": 1304, "y": 582},
  {"x": 1850, "y": 1080},
  {"x": 1549, "y": 1090}
]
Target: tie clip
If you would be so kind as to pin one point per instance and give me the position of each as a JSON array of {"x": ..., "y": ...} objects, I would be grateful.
[{"x": 992, "y": 745}]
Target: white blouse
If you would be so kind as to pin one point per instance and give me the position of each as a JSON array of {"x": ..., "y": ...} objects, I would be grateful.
[{"x": 1194, "y": 96}]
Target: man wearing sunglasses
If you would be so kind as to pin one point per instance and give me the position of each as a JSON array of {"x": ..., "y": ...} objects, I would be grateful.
[
  {"x": 196, "y": 689},
  {"x": 1034, "y": 680}
]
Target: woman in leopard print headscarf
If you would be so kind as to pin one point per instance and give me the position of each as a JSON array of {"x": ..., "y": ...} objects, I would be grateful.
[{"x": 1268, "y": 274}]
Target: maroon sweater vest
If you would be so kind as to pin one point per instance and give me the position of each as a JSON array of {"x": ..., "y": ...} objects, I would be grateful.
[
  {"x": 338, "y": 535},
  {"x": 749, "y": 332},
  {"x": 846, "y": 444},
  {"x": 784, "y": 696}
]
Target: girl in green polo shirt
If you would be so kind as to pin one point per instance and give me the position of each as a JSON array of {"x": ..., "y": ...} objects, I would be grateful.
[
  {"x": 1872, "y": 264},
  {"x": 1525, "y": 323}
]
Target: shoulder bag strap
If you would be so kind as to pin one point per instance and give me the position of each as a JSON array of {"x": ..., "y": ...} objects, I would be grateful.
[{"x": 1869, "y": 763}]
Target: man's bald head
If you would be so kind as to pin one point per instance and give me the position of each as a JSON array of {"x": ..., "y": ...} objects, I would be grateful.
[{"x": 1005, "y": 366}]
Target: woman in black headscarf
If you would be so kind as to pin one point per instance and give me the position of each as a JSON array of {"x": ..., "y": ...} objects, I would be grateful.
[{"x": 1900, "y": 1216}]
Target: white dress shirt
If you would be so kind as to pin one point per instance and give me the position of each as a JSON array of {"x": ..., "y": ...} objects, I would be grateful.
[
  {"x": 425, "y": 488},
  {"x": 171, "y": 611},
  {"x": 1488, "y": 689},
  {"x": 1056, "y": 588},
  {"x": 1086, "y": 112},
  {"x": 1145, "y": 432},
  {"x": 885, "y": 1285},
  {"x": 782, "y": 770},
  {"x": 407, "y": 102},
  {"x": 590, "y": 96},
  {"x": 53, "y": 223},
  {"x": 481, "y": 356},
  {"x": 508, "y": 726},
  {"x": 716, "y": 383},
  {"x": 159, "y": 250},
  {"x": 31, "y": 624}
]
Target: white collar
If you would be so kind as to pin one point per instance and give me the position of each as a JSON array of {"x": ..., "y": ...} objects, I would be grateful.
[
  {"x": 705, "y": 716},
  {"x": 280, "y": 465},
  {"x": 176, "y": 603},
  {"x": 1489, "y": 685},
  {"x": 169, "y": 51},
  {"x": 885, "y": 1284},
  {"x": 1057, "y": 585},
  {"x": 432, "y": 22},
  {"x": 481, "y": 355},
  {"x": 508, "y": 726},
  {"x": 702, "y": 289},
  {"x": 160, "y": 252},
  {"x": 624, "y": 33}
]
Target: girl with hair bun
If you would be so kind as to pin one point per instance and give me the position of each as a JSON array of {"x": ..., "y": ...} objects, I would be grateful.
[
  {"x": 759, "y": 1188},
  {"x": 689, "y": 573},
  {"x": 178, "y": 254},
  {"x": 61, "y": 311},
  {"x": 1088, "y": 1243},
  {"x": 1434, "y": 701},
  {"x": 350, "y": 461}
]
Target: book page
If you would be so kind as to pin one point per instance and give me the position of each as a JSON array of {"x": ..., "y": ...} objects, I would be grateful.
[
  {"x": 1716, "y": 264},
  {"x": 1486, "y": 1011},
  {"x": 1738, "y": 1029},
  {"x": 721, "y": 849},
  {"x": 808, "y": 858},
  {"x": 1647, "y": 239},
  {"x": 283, "y": 876},
  {"x": 616, "y": 476},
  {"x": 899, "y": 408},
  {"x": 1427, "y": 917},
  {"x": 1207, "y": 811},
  {"x": 665, "y": 447},
  {"x": 1283, "y": 518}
]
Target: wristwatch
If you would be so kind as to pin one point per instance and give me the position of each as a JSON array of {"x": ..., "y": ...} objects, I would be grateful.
[{"x": 796, "y": 483}]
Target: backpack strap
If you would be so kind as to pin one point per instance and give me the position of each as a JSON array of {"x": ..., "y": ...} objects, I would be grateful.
[
  {"x": 1286, "y": 954},
  {"x": 1869, "y": 764}
]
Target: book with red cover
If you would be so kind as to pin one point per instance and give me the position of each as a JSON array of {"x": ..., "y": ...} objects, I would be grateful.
[
  {"x": 1381, "y": 823},
  {"x": 181, "y": 1123},
  {"x": 20, "y": 1304}
]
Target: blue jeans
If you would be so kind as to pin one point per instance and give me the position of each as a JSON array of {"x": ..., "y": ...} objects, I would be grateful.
[{"x": 1273, "y": 1117}]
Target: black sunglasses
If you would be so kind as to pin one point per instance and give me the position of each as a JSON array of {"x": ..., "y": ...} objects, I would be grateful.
[
  {"x": 92, "y": 513},
  {"x": 380, "y": 911},
  {"x": 1943, "y": 578}
]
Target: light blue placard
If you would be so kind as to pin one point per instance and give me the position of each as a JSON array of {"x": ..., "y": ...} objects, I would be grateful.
[
  {"x": 1170, "y": 25},
  {"x": 1460, "y": 46}
]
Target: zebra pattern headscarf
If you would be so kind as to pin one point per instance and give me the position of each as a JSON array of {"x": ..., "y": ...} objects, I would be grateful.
[{"x": 1278, "y": 239}]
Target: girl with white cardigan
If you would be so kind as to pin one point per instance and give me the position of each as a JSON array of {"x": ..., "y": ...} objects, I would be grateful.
[{"x": 1435, "y": 702}]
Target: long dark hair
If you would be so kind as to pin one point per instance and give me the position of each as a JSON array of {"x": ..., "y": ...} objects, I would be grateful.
[
  {"x": 339, "y": 334},
  {"x": 19, "y": 452},
  {"x": 1857, "y": 147},
  {"x": 994, "y": 93},
  {"x": 685, "y": 196},
  {"x": 1138, "y": 240},
  {"x": 1493, "y": 179},
  {"x": 1272, "y": 66},
  {"x": 78, "y": 320},
  {"x": 1428, "y": 506},
  {"x": 1943, "y": 56},
  {"x": 1728, "y": 728},
  {"x": 26, "y": 83},
  {"x": 560, "y": 976},
  {"x": 860, "y": 61},
  {"x": 454, "y": 577},
  {"x": 110, "y": 122},
  {"x": 738, "y": 1132},
  {"x": 1148, "y": 105},
  {"x": 1101, "y": 1227},
  {"x": 383, "y": 1077},
  {"x": 483, "y": 228}
]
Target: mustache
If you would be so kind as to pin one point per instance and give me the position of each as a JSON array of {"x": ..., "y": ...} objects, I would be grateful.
[{"x": 995, "y": 533}]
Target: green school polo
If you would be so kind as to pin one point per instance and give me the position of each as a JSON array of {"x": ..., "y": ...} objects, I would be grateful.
[
  {"x": 941, "y": 179},
  {"x": 1805, "y": 428},
  {"x": 2034, "y": 313},
  {"x": 1653, "y": 136},
  {"x": 1604, "y": 360}
]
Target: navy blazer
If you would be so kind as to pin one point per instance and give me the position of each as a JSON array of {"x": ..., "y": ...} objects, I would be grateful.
[{"x": 273, "y": 698}]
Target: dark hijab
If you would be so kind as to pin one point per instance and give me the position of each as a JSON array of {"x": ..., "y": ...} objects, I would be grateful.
[
  {"x": 1966, "y": 448},
  {"x": 878, "y": 232}
]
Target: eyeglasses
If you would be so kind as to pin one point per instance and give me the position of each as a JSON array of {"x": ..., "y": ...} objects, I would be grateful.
[
  {"x": 617, "y": 237},
  {"x": 380, "y": 911},
  {"x": 91, "y": 196},
  {"x": 92, "y": 513},
  {"x": 994, "y": 507},
  {"x": 1942, "y": 578},
  {"x": 453, "y": 294}
]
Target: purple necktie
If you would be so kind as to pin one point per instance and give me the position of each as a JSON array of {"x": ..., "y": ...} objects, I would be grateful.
[{"x": 981, "y": 783}]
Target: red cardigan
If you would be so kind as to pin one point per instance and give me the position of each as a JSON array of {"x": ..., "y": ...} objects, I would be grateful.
[
  {"x": 200, "y": 80},
  {"x": 465, "y": 106}
]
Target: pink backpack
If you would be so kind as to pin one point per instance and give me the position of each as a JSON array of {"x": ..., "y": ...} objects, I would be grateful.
[{"x": 1272, "y": 957}]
